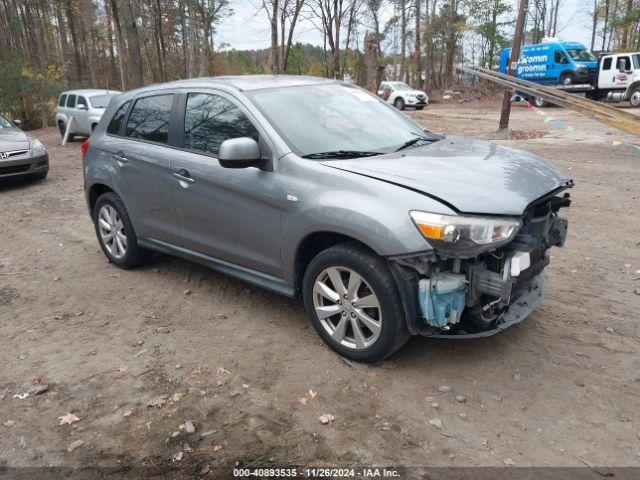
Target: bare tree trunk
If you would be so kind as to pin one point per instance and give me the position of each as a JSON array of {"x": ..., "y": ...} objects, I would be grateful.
[
  {"x": 403, "y": 38},
  {"x": 120, "y": 46},
  {"x": 417, "y": 59},
  {"x": 594, "y": 24},
  {"x": 133, "y": 45}
]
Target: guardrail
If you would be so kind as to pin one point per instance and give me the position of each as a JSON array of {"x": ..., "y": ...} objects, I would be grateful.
[{"x": 600, "y": 111}]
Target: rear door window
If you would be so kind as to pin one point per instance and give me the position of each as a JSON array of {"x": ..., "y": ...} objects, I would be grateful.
[
  {"x": 117, "y": 121},
  {"x": 211, "y": 119},
  {"x": 71, "y": 101},
  {"x": 149, "y": 118},
  {"x": 63, "y": 99}
]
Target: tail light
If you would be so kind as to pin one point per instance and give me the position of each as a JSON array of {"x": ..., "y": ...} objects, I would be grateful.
[{"x": 84, "y": 148}]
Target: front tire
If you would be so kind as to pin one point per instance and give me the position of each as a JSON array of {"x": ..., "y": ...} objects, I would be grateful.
[
  {"x": 399, "y": 103},
  {"x": 353, "y": 303},
  {"x": 567, "y": 79},
  {"x": 115, "y": 232},
  {"x": 634, "y": 97},
  {"x": 539, "y": 102}
]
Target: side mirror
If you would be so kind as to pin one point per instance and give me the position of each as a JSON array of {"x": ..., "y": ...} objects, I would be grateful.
[
  {"x": 17, "y": 122},
  {"x": 240, "y": 152}
]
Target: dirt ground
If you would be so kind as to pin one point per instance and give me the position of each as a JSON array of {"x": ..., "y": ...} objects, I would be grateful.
[{"x": 245, "y": 367}]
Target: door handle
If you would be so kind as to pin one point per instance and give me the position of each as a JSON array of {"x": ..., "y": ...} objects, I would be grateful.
[
  {"x": 183, "y": 176},
  {"x": 120, "y": 158}
]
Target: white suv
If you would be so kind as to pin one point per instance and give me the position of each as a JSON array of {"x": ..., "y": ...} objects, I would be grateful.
[
  {"x": 401, "y": 95},
  {"x": 85, "y": 106}
]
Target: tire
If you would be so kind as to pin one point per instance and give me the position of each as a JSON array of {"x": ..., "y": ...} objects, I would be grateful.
[
  {"x": 539, "y": 102},
  {"x": 62, "y": 128},
  {"x": 133, "y": 254},
  {"x": 377, "y": 285},
  {"x": 634, "y": 97},
  {"x": 567, "y": 78},
  {"x": 399, "y": 103},
  {"x": 40, "y": 176}
]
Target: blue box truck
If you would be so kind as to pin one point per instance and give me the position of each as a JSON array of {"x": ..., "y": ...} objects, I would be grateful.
[{"x": 554, "y": 62}]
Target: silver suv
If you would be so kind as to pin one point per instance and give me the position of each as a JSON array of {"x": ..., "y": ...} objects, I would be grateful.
[
  {"x": 316, "y": 187},
  {"x": 85, "y": 106}
]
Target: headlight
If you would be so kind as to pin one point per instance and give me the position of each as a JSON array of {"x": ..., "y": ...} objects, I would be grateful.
[
  {"x": 37, "y": 146},
  {"x": 461, "y": 236}
]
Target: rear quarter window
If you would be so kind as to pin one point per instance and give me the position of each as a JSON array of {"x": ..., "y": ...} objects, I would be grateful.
[
  {"x": 63, "y": 99},
  {"x": 71, "y": 101}
]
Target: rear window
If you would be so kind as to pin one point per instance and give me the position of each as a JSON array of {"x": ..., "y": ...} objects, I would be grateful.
[
  {"x": 63, "y": 99},
  {"x": 117, "y": 120},
  {"x": 71, "y": 101},
  {"x": 100, "y": 101},
  {"x": 149, "y": 118}
]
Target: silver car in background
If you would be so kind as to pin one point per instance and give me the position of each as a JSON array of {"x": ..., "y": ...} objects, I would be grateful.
[
  {"x": 85, "y": 106},
  {"x": 316, "y": 187},
  {"x": 21, "y": 155}
]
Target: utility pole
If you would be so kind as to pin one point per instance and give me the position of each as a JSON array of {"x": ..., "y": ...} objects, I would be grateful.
[{"x": 513, "y": 62}]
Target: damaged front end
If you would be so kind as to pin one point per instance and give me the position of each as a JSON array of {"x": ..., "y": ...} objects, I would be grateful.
[{"x": 484, "y": 273}]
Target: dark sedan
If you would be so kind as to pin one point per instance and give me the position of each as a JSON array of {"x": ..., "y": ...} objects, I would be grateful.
[{"x": 20, "y": 154}]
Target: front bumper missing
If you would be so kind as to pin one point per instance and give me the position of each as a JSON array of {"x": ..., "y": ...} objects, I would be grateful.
[{"x": 519, "y": 309}]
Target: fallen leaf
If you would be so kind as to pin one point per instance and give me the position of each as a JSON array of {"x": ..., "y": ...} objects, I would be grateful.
[
  {"x": 177, "y": 456},
  {"x": 9, "y": 423},
  {"x": 127, "y": 413},
  {"x": 196, "y": 372},
  {"x": 68, "y": 419},
  {"x": 122, "y": 369},
  {"x": 508, "y": 462},
  {"x": 223, "y": 370},
  {"x": 73, "y": 445},
  {"x": 177, "y": 396},
  {"x": 436, "y": 422},
  {"x": 205, "y": 470},
  {"x": 327, "y": 418},
  {"x": 302, "y": 400},
  {"x": 312, "y": 394},
  {"x": 158, "y": 401},
  {"x": 217, "y": 448}
]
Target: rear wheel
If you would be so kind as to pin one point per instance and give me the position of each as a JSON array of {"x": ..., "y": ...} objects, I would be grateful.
[
  {"x": 353, "y": 303},
  {"x": 399, "y": 103},
  {"x": 115, "y": 232},
  {"x": 62, "y": 127},
  {"x": 539, "y": 102}
]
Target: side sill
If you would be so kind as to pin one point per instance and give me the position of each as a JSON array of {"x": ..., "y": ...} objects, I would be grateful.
[{"x": 251, "y": 276}]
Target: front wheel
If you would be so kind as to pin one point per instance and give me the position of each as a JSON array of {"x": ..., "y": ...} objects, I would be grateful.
[
  {"x": 567, "y": 79},
  {"x": 353, "y": 303},
  {"x": 115, "y": 232},
  {"x": 634, "y": 97},
  {"x": 539, "y": 102},
  {"x": 399, "y": 103}
]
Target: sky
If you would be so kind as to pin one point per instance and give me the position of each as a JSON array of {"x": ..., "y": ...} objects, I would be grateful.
[{"x": 249, "y": 27}]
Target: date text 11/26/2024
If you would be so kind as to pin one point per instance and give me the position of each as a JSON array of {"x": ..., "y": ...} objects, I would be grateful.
[{"x": 316, "y": 472}]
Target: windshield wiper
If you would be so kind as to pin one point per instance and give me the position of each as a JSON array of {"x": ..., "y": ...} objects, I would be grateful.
[
  {"x": 430, "y": 138},
  {"x": 341, "y": 154}
]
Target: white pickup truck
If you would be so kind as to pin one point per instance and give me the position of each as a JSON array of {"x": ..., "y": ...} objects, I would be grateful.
[{"x": 616, "y": 79}]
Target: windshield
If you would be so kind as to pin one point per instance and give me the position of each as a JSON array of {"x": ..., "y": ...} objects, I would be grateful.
[
  {"x": 4, "y": 123},
  {"x": 100, "y": 101},
  {"x": 581, "y": 55},
  {"x": 400, "y": 86},
  {"x": 321, "y": 118}
]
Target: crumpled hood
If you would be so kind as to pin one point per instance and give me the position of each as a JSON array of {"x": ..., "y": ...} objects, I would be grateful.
[
  {"x": 13, "y": 139},
  {"x": 472, "y": 176}
]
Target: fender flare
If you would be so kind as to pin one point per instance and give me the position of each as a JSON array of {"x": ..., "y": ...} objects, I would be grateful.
[{"x": 635, "y": 85}]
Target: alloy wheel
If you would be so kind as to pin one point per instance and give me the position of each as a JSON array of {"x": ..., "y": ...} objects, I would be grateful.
[
  {"x": 112, "y": 232},
  {"x": 635, "y": 98},
  {"x": 347, "y": 307}
]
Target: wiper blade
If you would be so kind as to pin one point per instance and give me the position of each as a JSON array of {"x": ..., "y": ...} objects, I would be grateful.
[
  {"x": 430, "y": 138},
  {"x": 341, "y": 154}
]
